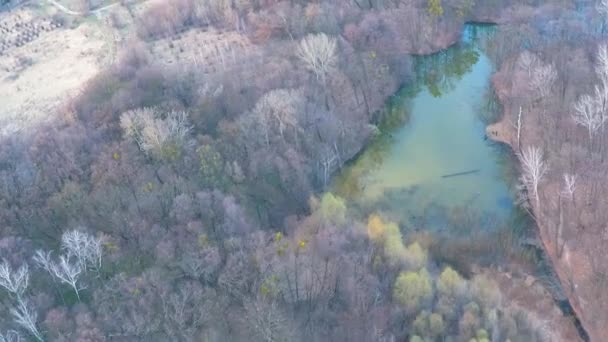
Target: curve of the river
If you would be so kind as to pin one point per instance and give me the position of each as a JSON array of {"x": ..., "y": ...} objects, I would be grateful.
[{"x": 432, "y": 167}]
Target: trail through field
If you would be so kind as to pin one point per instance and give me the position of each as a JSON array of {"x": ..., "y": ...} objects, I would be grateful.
[{"x": 66, "y": 10}]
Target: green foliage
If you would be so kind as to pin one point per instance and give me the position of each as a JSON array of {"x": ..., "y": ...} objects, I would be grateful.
[
  {"x": 464, "y": 7},
  {"x": 468, "y": 324},
  {"x": 428, "y": 325},
  {"x": 440, "y": 72},
  {"x": 485, "y": 291},
  {"x": 170, "y": 152},
  {"x": 482, "y": 335},
  {"x": 333, "y": 209},
  {"x": 211, "y": 166},
  {"x": 450, "y": 283},
  {"x": 394, "y": 250},
  {"x": 270, "y": 286},
  {"x": 421, "y": 323},
  {"x": 389, "y": 236},
  {"x": 435, "y": 8},
  {"x": 412, "y": 289},
  {"x": 436, "y": 325},
  {"x": 415, "y": 256}
]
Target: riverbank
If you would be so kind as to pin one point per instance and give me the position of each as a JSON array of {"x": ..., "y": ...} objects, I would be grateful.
[
  {"x": 410, "y": 158},
  {"x": 569, "y": 260}
]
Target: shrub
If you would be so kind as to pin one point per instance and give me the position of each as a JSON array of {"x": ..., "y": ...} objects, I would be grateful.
[
  {"x": 415, "y": 256},
  {"x": 485, "y": 291},
  {"x": 436, "y": 325},
  {"x": 333, "y": 209},
  {"x": 375, "y": 228},
  {"x": 158, "y": 137},
  {"x": 394, "y": 250},
  {"x": 450, "y": 283},
  {"x": 412, "y": 289}
]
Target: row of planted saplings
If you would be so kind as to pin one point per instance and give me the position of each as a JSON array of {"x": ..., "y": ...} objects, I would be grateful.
[{"x": 23, "y": 33}]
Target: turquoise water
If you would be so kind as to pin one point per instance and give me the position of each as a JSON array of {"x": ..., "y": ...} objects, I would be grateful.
[{"x": 432, "y": 129}]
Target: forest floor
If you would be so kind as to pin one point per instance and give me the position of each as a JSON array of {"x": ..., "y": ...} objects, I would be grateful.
[
  {"x": 529, "y": 293},
  {"x": 573, "y": 265}
]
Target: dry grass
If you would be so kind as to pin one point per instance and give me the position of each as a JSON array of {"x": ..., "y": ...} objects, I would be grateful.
[
  {"x": 210, "y": 50},
  {"x": 41, "y": 64}
]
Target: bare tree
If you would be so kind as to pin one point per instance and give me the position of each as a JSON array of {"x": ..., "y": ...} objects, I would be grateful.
[
  {"x": 26, "y": 317},
  {"x": 65, "y": 270},
  {"x": 602, "y": 58},
  {"x": 534, "y": 169},
  {"x": 586, "y": 114},
  {"x": 85, "y": 248},
  {"x": 152, "y": 132},
  {"x": 602, "y": 8},
  {"x": 543, "y": 78},
  {"x": 518, "y": 126},
  {"x": 10, "y": 336},
  {"x": 15, "y": 282},
  {"x": 281, "y": 107},
  {"x": 569, "y": 185},
  {"x": 318, "y": 52},
  {"x": 528, "y": 61},
  {"x": 266, "y": 321},
  {"x": 601, "y": 91}
]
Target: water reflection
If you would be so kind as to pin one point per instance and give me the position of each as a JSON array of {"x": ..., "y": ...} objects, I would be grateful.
[{"x": 403, "y": 172}]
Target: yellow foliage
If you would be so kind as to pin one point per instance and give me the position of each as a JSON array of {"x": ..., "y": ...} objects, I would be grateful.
[
  {"x": 111, "y": 246},
  {"x": 482, "y": 334},
  {"x": 375, "y": 228},
  {"x": 394, "y": 250},
  {"x": 278, "y": 236},
  {"x": 485, "y": 291},
  {"x": 412, "y": 289},
  {"x": 420, "y": 324},
  {"x": 436, "y": 325},
  {"x": 415, "y": 256},
  {"x": 116, "y": 156},
  {"x": 301, "y": 244},
  {"x": 389, "y": 235},
  {"x": 270, "y": 286},
  {"x": 450, "y": 283},
  {"x": 435, "y": 8},
  {"x": 203, "y": 240},
  {"x": 333, "y": 209}
]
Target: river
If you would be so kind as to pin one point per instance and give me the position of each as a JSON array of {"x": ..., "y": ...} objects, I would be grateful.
[{"x": 431, "y": 166}]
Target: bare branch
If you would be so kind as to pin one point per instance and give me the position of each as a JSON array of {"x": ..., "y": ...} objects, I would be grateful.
[
  {"x": 15, "y": 282},
  {"x": 10, "y": 336},
  {"x": 26, "y": 317},
  {"x": 528, "y": 62},
  {"x": 543, "y": 78},
  {"x": 318, "y": 52},
  {"x": 152, "y": 133},
  {"x": 66, "y": 271},
  {"x": 85, "y": 248},
  {"x": 569, "y": 185},
  {"x": 534, "y": 169},
  {"x": 586, "y": 114}
]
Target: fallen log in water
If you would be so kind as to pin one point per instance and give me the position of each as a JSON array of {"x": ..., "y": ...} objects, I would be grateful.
[{"x": 460, "y": 173}]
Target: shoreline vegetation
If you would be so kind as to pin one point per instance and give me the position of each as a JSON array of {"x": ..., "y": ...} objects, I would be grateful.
[{"x": 179, "y": 195}]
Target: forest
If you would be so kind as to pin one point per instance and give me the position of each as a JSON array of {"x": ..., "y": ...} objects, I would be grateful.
[{"x": 192, "y": 201}]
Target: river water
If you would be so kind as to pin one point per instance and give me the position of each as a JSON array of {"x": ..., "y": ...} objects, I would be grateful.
[{"x": 431, "y": 166}]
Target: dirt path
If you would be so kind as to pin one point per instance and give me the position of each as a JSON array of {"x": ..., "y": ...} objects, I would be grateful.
[{"x": 70, "y": 12}]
